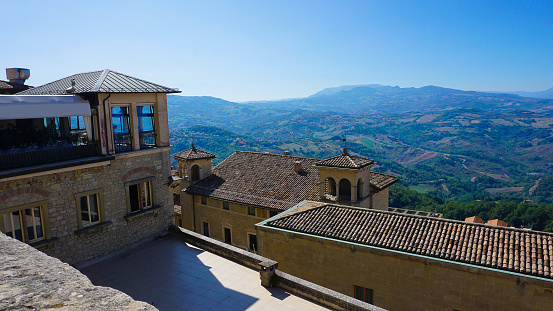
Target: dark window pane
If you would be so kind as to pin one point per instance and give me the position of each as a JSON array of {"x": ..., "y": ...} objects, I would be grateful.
[
  {"x": 84, "y": 211},
  {"x": 38, "y": 223},
  {"x": 94, "y": 213},
  {"x": 133, "y": 197}
]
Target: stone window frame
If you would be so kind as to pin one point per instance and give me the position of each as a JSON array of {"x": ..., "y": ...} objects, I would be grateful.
[
  {"x": 44, "y": 217},
  {"x": 100, "y": 199},
  {"x": 226, "y": 205},
  {"x": 251, "y": 210},
  {"x": 127, "y": 185},
  {"x": 366, "y": 293}
]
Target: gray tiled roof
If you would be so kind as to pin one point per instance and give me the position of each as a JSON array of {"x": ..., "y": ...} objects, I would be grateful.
[
  {"x": 261, "y": 179},
  {"x": 517, "y": 250},
  {"x": 102, "y": 81},
  {"x": 193, "y": 153},
  {"x": 268, "y": 180},
  {"x": 346, "y": 160}
]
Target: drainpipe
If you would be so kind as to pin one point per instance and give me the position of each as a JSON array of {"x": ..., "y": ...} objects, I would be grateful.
[
  {"x": 193, "y": 214},
  {"x": 106, "y": 123}
]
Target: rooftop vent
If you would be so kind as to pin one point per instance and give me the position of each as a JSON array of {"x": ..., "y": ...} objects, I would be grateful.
[
  {"x": 474, "y": 219},
  {"x": 18, "y": 75},
  {"x": 286, "y": 152}
]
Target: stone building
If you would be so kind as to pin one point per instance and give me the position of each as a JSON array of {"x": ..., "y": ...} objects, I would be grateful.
[
  {"x": 85, "y": 165},
  {"x": 225, "y": 203},
  {"x": 410, "y": 262}
]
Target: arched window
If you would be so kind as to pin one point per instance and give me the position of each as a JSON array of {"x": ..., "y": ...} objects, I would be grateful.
[
  {"x": 359, "y": 189},
  {"x": 331, "y": 186},
  {"x": 345, "y": 190},
  {"x": 195, "y": 172}
]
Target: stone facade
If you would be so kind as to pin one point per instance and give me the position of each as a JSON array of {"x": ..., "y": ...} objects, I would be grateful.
[
  {"x": 402, "y": 281},
  {"x": 58, "y": 192},
  {"x": 32, "y": 280},
  {"x": 236, "y": 218}
]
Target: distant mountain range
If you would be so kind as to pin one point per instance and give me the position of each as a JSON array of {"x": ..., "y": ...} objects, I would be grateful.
[
  {"x": 375, "y": 98},
  {"x": 543, "y": 94}
]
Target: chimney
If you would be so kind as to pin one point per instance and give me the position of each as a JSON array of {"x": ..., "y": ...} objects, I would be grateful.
[
  {"x": 286, "y": 152},
  {"x": 474, "y": 219},
  {"x": 497, "y": 222},
  {"x": 297, "y": 166},
  {"x": 18, "y": 75}
]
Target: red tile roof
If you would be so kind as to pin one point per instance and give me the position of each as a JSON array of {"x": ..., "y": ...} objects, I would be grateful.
[
  {"x": 516, "y": 250},
  {"x": 346, "y": 160},
  {"x": 193, "y": 154},
  {"x": 268, "y": 180}
]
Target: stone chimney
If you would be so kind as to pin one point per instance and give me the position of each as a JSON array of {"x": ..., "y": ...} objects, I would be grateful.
[
  {"x": 18, "y": 75},
  {"x": 497, "y": 222},
  {"x": 297, "y": 166},
  {"x": 474, "y": 219},
  {"x": 286, "y": 152}
]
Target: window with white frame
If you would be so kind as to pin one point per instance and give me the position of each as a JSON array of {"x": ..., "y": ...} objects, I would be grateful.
[{"x": 26, "y": 224}]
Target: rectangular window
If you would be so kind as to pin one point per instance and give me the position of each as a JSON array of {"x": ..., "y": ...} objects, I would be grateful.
[
  {"x": 204, "y": 200},
  {"x": 77, "y": 123},
  {"x": 251, "y": 210},
  {"x": 273, "y": 213},
  {"x": 25, "y": 225},
  {"x": 90, "y": 209},
  {"x": 363, "y": 294},
  {"x": 228, "y": 238},
  {"x": 226, "y": 205},
  {"x": 146, "y": 126},
  {"x": 140, "y": 196},
  {"x": 122, "y": 137},
  {"x": 252, "y": 242},
  {"x": 205, "y": 226}
]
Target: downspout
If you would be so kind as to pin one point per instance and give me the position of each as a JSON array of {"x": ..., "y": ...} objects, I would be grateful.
[
  {"x": 106, "y": 122},
  {"x": 193, "y": 214}
]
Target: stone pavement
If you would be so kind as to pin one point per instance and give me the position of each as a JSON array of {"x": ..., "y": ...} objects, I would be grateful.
[{"x": 173, "y": 275}]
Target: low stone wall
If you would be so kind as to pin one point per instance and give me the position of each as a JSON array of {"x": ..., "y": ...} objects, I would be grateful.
[
  {"x": 32, "y": 280},
  {"x": 300, "y": 287}
]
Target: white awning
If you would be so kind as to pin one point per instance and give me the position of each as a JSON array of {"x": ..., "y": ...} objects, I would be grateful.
[{"x": 42, "y": 106}]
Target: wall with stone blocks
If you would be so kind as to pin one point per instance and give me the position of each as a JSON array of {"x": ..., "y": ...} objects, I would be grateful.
[
  {"x": 111, "y": 179},
  {"x": 401, "y": 281},
  {"x": 32, "y": 280}
]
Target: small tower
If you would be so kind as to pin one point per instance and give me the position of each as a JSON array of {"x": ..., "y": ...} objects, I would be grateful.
[
  {"x": 194, "y": 164},
  {"x": 345, "y": 179}
]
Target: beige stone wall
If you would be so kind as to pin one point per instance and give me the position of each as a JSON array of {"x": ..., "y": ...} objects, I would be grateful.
[
  {"x": 401, "y": 281},
  {"x": 58, "y": 191},
  {"x": 236, "y": 219},
  {"x": 380, "y": 199}
]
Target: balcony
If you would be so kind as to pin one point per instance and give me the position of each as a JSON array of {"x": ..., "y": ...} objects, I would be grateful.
[
  {"x": 147, "y": 139},
  {"x": 122, "y": 142},
  {"x": 31, "y": 156}
]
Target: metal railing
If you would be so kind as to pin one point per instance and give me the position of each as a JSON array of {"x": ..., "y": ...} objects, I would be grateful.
[
  {"x": 122, "y": 142},
  {"x": 50, "y": 154},
  {"x": 147, "y": 139}
]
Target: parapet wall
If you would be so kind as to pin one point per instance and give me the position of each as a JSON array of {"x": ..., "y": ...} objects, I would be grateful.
[
  {"x": 300, "y": 287},
  {"x": 32, "y": 280}
]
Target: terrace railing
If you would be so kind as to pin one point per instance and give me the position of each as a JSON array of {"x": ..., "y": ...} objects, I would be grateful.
[
  {"x": 147, "y": 139},
  {"x": 25, "y": 157},
  {"x": 123, "y": 142}
]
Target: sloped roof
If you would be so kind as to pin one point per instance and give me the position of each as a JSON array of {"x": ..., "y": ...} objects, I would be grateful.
[
  {"x": 346, "y": 160},
  {"x": 517, "y": 250},
  {"x": 193, "y": 153},
  {"x": 101, "y": 81},
  {"x": 261, "y": 179},
  {"x": 12, "y": 88},
  {"x": 268, "y": 180}
]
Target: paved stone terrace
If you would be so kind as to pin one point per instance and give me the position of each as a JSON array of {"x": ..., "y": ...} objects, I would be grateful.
[{"x": 175, "y": 276}]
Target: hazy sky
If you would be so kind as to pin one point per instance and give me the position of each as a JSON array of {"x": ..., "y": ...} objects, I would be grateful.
[{"x": 254, "y": 50}]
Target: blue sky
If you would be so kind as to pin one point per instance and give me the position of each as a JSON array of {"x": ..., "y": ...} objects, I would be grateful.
[{"x": 256, "y": 50}]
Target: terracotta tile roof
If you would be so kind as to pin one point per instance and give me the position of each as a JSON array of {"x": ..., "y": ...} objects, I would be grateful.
[
  {"x": 381, "y": 181},
  {"x": 267, "y": 180},
  {"x": 101, "y": 81},
  {"x": 516, "y": 250},
  {"x": 193, "y": 154},
  {"x": 346, "y": 160},
  {"x": 261, "y": 179}
]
